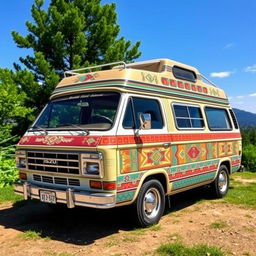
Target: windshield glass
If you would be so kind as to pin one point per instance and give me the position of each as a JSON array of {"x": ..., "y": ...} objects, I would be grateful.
[{"x": 88, "y": 111}]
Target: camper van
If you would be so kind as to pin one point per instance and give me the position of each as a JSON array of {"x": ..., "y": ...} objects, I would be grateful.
[{"x": 129, "y": 134}]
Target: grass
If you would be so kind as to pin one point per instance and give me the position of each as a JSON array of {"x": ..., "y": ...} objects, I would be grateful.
[
  {"x": 242, "y": 195},
  {"x": 130, "y": 239},
  {"x": 179, "y": 249},
  {"x": 156, "y": 227},
  {"x": 33, "y": 235},
  {"x": 7, "y": 195},
  {"x": 245, "y": 175},
  {"x": 111, "y": 243},
  {"x": 30, "y": 235},
  {"x": 218, "y": 224}
]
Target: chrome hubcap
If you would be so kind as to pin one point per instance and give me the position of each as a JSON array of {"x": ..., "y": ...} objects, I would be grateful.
[
  {"x": 152, "y": 203},
  {"x": 223, "y": 181}
]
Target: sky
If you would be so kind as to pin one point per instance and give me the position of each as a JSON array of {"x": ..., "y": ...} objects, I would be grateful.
[{"x": 218, "y": 37}]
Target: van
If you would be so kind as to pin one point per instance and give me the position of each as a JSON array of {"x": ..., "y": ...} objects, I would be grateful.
[{"x": 129, "y": 135}]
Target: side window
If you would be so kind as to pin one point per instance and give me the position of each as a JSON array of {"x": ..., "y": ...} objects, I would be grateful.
[
  {"x": 233, "y": 116},
  {"x": 217, "y": 118},
  {"x": 142, "y": 105},
  {"x": 188, "y": 117}
]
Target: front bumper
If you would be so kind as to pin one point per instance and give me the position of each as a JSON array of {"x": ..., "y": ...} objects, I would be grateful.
[{"x": 69, "y": 197}]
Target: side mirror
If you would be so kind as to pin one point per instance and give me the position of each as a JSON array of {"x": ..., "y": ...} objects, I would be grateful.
[{"x": 145, "y": 121}]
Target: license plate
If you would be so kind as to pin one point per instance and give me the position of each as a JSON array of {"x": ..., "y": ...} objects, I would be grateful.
[{"x": 47, "y": 197}]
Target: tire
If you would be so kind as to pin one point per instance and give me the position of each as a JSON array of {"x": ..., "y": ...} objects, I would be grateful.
[
  {"x": 221, "y": 183},
  {"x": 150, "y": 203}
]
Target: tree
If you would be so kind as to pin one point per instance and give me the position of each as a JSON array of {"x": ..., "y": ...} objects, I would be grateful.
[
  {"x": 11, "y": 104},
  {"x": 69, "y": 34}
]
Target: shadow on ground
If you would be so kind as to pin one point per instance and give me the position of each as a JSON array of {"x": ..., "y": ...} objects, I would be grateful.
[{"x": 82, "y": 226}]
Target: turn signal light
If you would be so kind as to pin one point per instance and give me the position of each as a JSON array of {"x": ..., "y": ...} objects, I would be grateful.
[
  {"x": 22, "y": 176},
  {"x": 109, "y": 185},
  {"x": 95, "y": 184}
]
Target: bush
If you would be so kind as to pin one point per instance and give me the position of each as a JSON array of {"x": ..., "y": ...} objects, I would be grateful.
[
  {"x": 249, "y": 157},
  {"x": 8, "y": 171}
]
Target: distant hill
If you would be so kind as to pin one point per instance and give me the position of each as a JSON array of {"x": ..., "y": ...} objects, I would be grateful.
[{"x": 245, "y": 118}]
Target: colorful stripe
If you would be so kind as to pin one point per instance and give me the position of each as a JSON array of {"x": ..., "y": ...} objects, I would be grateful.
[
  {"x": 145, "y": 87},
  {"x": 93, "y": 141}
]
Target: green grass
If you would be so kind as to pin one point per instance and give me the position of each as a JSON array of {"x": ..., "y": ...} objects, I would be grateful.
[
  {"x": 245, "y": 175},
  {"x": 156, "y": 227},
  {"x": 30, "y": 235},
  {"x": 179, "y": 249},
  {"x": 7, "y": 195},
  {"x": 218, "y": 224},
  {"x": 242, "y": 195},
  {"x": 33, "y": 235}
]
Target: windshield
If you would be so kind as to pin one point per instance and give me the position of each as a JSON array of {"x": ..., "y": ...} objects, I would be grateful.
[{"x": 87, "y": 111}]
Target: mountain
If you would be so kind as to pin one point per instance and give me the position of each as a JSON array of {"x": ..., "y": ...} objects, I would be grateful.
[{"x": 245, "y": 118}]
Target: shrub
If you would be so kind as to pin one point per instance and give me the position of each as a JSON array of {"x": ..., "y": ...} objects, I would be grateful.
[
  {"x": 249, "y": 157},
  {"x": 8, "y": 171}
]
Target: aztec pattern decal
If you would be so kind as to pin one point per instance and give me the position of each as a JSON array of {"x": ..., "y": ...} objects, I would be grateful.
[
  {"x": 133, "y": 160},
  {"x": 127, "y": 185},
  {"x": 93, "y": 141},
  {"x": 180, "y": 176}
]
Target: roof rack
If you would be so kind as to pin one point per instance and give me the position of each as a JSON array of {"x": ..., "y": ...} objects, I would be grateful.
[
  {"x": 74, "y": 71},
  {"x": 209, "y": 81}
]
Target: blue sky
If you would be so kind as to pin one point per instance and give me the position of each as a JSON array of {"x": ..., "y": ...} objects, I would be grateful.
[{"x": 218, "y": 37}]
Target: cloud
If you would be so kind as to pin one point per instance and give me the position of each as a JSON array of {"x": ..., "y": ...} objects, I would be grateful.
[
  {"x": 221, "y": 74},
  {"x": 240, "y": 97},
  {"x": 229, "y": 45},
  {"x": 251, "y": 69},
  {"x": 252, "y": 95}
]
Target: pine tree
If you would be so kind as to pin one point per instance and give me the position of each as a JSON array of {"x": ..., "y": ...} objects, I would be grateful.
[{"x": 69, "y": 34}]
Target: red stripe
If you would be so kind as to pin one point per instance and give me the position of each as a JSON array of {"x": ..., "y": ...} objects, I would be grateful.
[{"x": 93, "y": 141}]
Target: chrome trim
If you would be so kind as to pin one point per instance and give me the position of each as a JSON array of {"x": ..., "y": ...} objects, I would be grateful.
[
  {"x": 59, "y": 158},
  {"x": 79, "y": 198}
]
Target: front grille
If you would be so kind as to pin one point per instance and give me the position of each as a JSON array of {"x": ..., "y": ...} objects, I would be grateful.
[
  {"x": 56, "y": 180},
  {"x": 53, "y": 162}
]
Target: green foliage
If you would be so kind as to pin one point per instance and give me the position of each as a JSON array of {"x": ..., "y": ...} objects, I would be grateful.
[
  {"x": 249, "y": 148},
  {"x": 7, "y": 195},
  {"x": 179, "y": 249},
  {"x": 68, "y": 35},
  {"x": 249, "y": 157},
  {"x": 8, "y": 171},
  {"x": 11, "y": 104}
]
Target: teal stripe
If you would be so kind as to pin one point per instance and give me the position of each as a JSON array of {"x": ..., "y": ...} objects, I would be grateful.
[
  {"x": 193, "y": 180},
  {"x": 168, "y": 91}
]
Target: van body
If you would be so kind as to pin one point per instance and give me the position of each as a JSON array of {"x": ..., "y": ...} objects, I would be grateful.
[{"x": 132, "y": 134}]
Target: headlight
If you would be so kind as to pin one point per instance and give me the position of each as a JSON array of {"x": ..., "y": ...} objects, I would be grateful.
[
  {"x": 92, "y": 164},
  {"x": 21, "y": 159}
]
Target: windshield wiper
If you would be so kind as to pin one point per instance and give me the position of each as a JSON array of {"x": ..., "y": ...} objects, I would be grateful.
[
  {"x": 39, "y": 128},
  {"x": 85, "y": 131}
]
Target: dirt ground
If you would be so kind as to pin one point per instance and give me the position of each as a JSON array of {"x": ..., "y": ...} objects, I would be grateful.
[{"x": 111, "y": 232}]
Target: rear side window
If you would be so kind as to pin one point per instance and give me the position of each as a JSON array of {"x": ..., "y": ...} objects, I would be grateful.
[
  {"x": 141, "y": 105},
  {"x": 188, "y": 117},
  {"x": 217, "y": 118},
  {"x": 185, "y": 74},
  {"x": 233, "y": 116}
]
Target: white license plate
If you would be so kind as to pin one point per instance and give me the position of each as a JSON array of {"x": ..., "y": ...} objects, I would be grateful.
[{"x": 47, "y": 197}]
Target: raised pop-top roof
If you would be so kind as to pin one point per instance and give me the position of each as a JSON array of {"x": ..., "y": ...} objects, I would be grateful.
[{"x": 160, "y": 76}]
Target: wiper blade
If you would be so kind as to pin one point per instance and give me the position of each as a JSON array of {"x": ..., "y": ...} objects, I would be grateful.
[
  {"x": 76, "y": 126},
  {"x": 39, "y": 128}
]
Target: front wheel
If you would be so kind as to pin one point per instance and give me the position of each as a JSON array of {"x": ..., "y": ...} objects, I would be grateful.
[
  {"x": 221, "y": 183},
  {"x": 150, "y": 203}
]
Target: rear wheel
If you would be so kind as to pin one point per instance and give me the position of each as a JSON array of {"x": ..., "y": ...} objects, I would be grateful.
[
  {"x": 221, "y": 183},
  {"x": 150, "y": 203}
]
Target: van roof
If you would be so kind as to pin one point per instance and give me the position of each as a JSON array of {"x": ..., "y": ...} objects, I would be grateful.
[{"x": 152, "y": 76}]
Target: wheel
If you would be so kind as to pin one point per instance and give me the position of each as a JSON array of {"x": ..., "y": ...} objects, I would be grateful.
[
  {"x": 150, "y": 203},
  {"x": 221, "y": 183}
]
